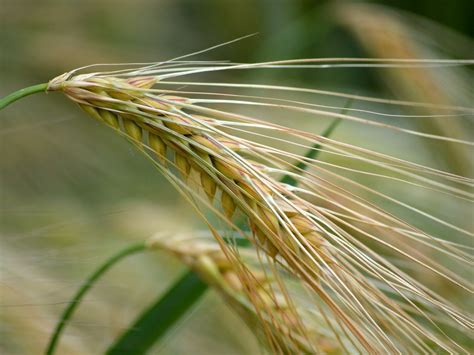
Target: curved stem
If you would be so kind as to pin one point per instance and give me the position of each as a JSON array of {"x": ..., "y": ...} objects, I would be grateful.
[
  {"x": 83, "y": 290},
  {"x": 7, "y": 100}
]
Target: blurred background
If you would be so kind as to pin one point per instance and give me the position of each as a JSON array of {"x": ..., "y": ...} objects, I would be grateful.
[{"x": 73, "y": 193}]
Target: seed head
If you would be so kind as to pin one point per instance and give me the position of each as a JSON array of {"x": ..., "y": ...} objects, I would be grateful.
[{"x": 324, "y": 232}]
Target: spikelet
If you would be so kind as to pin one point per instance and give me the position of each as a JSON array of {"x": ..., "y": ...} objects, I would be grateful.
[
  {"x": 322, "y": 233},
  {"x": 281, "y": 328}
]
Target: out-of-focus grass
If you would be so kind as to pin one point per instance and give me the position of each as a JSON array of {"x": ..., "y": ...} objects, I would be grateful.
[{"x": 73, "y": 192}]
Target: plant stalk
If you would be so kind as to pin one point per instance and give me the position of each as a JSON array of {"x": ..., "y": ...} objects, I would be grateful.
[
  {"x": 90, "y": 281},
  {"x": 11, "y": 98}
]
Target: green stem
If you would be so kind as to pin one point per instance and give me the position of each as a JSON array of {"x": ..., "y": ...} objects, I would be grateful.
[
  {"x": 313, "y": 153},
  {"x": 11, "y": 98},
  {"x": 83, "y": 290}
]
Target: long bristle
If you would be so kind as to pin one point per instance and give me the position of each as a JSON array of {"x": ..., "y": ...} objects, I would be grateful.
[{"x": 322, "y": 232}]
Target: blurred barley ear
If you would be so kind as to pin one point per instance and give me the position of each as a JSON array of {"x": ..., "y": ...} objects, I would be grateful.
[{"x": 385, "y": 33}]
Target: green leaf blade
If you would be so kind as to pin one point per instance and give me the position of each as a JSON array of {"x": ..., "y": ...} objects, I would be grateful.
[{"x": 155, "y": 321}]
